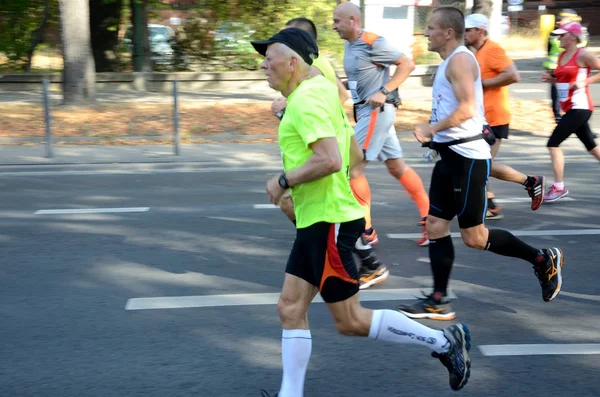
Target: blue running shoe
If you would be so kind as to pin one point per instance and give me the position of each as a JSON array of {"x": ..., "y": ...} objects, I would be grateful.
[{"x": 458, "y": 359}]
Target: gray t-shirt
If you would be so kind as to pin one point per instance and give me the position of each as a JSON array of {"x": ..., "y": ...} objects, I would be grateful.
[{"x": 367, "y": 66}]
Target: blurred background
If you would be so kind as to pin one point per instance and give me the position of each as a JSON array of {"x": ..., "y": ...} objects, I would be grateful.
[
  {"x": 212, "y": 35},
  {"x": 111, "y": 65}
]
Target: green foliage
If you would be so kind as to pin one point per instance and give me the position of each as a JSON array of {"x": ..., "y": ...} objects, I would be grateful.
[
  {"x": 221, "y": 31},
  {"x": 19, "y": 21}
]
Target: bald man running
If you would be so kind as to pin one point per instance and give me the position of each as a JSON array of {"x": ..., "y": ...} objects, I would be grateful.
[{"x": 367, "y": 60}]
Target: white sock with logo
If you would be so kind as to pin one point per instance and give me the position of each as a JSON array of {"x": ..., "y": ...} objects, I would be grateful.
[
  {"x": 559, "y": 185},
  {"x": 393, "y": 326},
  {"x": 296, "y": 346}
]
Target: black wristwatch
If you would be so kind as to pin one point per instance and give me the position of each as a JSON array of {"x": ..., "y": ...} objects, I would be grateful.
[
  {"x": 283, "y": 182},
  {"x": 384, "y": 90}
]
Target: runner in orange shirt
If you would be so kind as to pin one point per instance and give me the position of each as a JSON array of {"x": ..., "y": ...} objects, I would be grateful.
[{"x": 498, "y": 71}]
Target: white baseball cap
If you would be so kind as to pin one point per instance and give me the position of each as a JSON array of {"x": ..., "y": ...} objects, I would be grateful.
[{"x": 476, "y": 21}]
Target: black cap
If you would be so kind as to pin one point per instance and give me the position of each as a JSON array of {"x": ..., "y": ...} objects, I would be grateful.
[{"x": 297, "y": 39}]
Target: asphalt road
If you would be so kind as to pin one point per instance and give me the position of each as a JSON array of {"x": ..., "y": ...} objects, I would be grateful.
[{"x": 66, "y": 279}]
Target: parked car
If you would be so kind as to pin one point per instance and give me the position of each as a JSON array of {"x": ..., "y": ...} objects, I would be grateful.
[
  {"x": 233, "y": 37},
  {"x": 160, "y": 37}
]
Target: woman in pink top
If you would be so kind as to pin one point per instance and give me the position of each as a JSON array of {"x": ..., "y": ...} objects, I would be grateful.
[{"x": 571, "y": 77}]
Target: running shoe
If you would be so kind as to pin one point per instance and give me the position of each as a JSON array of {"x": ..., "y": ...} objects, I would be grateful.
[
  {"x": 428, "y": 307},
  {"x": 458, "y": 359},
  {"x": 536, "y": 192},
  {"x": 555, "y": 193},
  {"x": 549, "y": 272},
  {"x": 369, "y": 276},
  {"x": 264, "y": 393},
  {"x": 494, "y": 214}
]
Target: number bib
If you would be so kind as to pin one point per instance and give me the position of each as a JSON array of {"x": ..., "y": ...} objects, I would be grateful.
[
  {"x": 352, "y": 88},
  {"x": 562, "y": 90}
]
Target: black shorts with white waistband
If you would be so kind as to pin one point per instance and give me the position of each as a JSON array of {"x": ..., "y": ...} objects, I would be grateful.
[{"x": 459, "y": 188}]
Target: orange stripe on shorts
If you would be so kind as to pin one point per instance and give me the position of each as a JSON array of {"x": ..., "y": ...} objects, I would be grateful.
[
  {"x": 334, "y": 267},
  {"x": 372, "y": 123}
]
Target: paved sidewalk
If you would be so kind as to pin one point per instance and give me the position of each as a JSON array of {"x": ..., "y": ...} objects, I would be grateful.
[{"x": 520, "y": 145}]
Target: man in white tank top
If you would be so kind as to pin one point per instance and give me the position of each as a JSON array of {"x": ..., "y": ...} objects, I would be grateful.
[{"x": 459, "y": 179}]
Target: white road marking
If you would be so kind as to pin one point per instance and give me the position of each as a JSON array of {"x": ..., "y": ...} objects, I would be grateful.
[
  {"x": 91, "y": 211},
  {"x": 581, "y": 296},
  {"x": 518, "y": 233},
  {"x": 527, "y": 90},
  {"x": 539, "y": 349},
  {"x": 264, "y": 206},
  {"x": 507, "y": 200},
  {"x": 180, "y": 302}
]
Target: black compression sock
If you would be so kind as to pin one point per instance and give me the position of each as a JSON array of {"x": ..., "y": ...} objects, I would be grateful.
[
  {"x": 529, "y": 182},
  {"x": 504, "y": 243},
  {"x": 441, "y": 255}
]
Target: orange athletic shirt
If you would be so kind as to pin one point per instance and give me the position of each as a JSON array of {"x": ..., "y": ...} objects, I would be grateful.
[{"x": 492, "y": 60}]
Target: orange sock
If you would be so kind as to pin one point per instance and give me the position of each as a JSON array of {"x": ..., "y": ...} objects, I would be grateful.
[
  {"x": 362, "y": 192},
  {"x": 414, "y": 187}
]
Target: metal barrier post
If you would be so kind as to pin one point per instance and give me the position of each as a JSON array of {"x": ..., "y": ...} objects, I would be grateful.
[
  {"x": 175, "y": 120},
  {"x": 47, "y": 119}
]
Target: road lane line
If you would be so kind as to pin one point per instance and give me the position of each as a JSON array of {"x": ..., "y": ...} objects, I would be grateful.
[
  {"x": 581, "y": 296},
  {"x": 507, "y": 200},
  {"x": 180, "y": 302},
  {"x": 518, "y": 233},
  {"x": 264, "y": 206},
  {"x": 91, "y": 211},
  {"x": 539, "y": 349},
  {"x": 527, "y": 90}
]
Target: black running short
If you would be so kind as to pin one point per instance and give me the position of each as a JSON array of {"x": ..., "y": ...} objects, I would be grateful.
[
  {"x": 459, "y": 188},
  {"x": 500, "y": 131},
  {"x": 322, "y": 255},
  {"x": 574, "y": 121}
]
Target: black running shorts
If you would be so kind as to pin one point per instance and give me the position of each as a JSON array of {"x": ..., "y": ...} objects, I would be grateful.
[
  {"x": 574, "y": 121},
  {"x": 459, "y": 188},
  {"x": 500, "y": 131},
  {"x": 322, "y": 255}
]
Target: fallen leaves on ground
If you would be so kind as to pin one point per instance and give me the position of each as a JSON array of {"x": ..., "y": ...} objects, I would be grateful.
[{"x": 130, "y": 124}]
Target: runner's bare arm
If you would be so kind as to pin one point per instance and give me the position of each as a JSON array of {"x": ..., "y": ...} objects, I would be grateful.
[
  {"x": 462, "y": 73},
  {"x": 591, "y": 61},
  {"x": 404, "y": 67},
  {"x": 356, "y": 153},
  {"x": 326, "y": 160},
  {"x": 547, "y": 78},
  {"x": 342, "y": 90},
  {"x": 508, "y": 76}
]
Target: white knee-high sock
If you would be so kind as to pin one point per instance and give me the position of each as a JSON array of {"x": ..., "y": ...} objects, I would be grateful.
[
  {"x": 296, "y": 346},
  {"x": 393, "y": 326}
]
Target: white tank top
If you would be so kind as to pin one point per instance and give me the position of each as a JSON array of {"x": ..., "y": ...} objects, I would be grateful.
[{"x": 444, "y": 104}]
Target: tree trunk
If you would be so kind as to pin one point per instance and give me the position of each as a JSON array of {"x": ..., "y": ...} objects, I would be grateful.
[
  {"x": 79, "y": 74},
  {"x": 104, "y": 26},
  {"x": 482, "y": 7},
  {"x": 38, "y": 35},
  {"x": 141, "y": 41}
]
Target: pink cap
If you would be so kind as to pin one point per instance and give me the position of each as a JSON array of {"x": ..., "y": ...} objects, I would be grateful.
[{"x": 571, "y": 27}]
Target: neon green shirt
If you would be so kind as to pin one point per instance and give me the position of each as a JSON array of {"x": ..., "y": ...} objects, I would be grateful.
[
  {"x": 325, "y": 67},
  {"x": 314, "y": 112}
]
